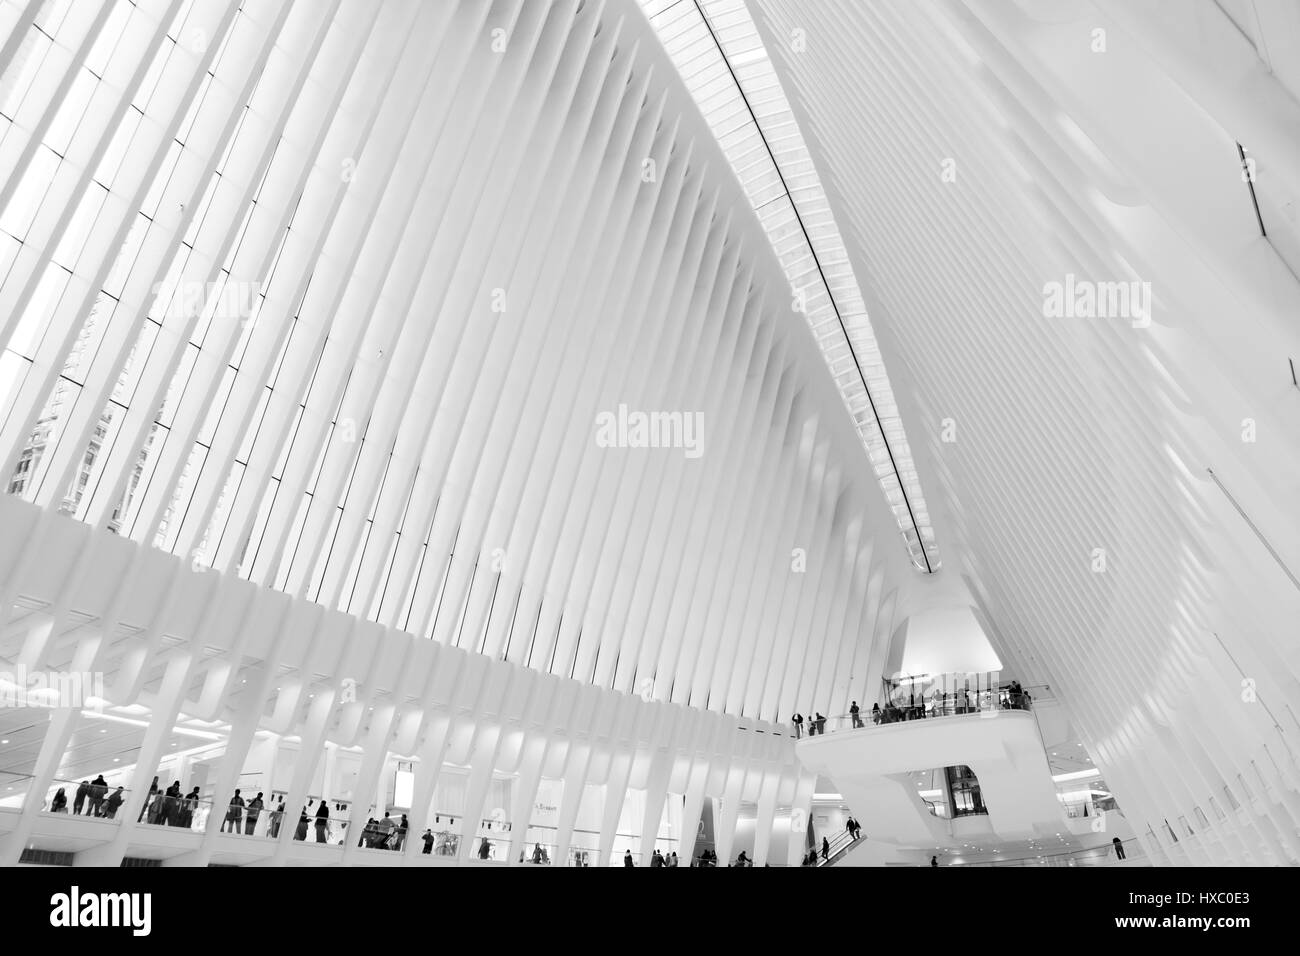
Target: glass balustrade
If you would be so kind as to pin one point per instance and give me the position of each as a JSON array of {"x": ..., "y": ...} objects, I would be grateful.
[
  {"x": 1105, "y": 855},
  {"x": 939, "y": 704}
]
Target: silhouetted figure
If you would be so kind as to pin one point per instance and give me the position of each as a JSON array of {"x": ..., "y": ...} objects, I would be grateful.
[
  {"x": 826, "y": 850},
  {"x": 798, "y": 726},
  {"x": 855, "y": 714},
  {"x": 484, "y": 849},
  {"x": 234, "y": 811},
  {"x": 301, "y": 832},
  {"x": 171, "y": 811},
  {"x": 322, "y": 822},
  {"x": 276, "y": 816},
  {"x": 384, "y": 839},
  {"x": 60, "y": 802},
  {"x": 98, "y": 791},
  {"x": 934, "y": 861},
  {"x": 875, "y": 713},
  {"x": 428, "y": 841},
  {"x": 79, "y": 801},
  {"x": 1119, "y": 848},
  {"x": 627, "y": 858},
  {"x": 114, "y": 801},
  {"x": 189, "y": 807},
  {"x": 254, "y": 811},
  {"x": 821, "y": 725},
  {"x": 400, "y": 835}
]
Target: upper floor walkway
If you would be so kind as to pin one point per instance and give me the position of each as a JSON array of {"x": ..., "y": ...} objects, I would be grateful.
[{"x": 870, "y": 765}]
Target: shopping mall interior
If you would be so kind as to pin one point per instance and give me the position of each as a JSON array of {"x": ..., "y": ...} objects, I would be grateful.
[{"x": 606, "y": 433}]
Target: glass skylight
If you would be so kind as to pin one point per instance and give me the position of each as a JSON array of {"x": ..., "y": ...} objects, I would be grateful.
[{"x": 716, "y": 47}]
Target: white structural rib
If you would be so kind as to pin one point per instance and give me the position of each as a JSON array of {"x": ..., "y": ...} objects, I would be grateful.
[
  {"x": 1121, "y": 464},
  {"x": 724, "y": 64}
]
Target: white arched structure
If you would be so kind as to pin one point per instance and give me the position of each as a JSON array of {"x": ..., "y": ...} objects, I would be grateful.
[
  {"x": 1119, "y": 490},
  {"x": 477, "y": 401},
  {"x": 332, "y": 322}
]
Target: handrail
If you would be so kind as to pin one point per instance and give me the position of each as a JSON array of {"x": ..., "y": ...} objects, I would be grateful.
[{"x": 1101, "y": 852}]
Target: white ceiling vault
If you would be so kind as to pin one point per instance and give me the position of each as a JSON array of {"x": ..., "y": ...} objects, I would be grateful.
[
  {"x": 436, "y": 247},
  {"x": 556, "y": 331},
  {"x": 1118, "y": 484}
]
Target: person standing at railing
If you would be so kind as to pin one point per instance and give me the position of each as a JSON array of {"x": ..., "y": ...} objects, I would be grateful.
[
  {"x": 386, "y": 826},
  {"x": 276, "y": 816},
  {"x": 428, "y": 842},
  {"x": 934, "y": 861},
  {"x": 233, "y": 813},
  {"x": 171, "y": 815},
  {"x": 821, "y": 725},
  {"x": 98, "y": 791},
  {"x": 79, "y": 801},
  {"x": 189, "y": 807},
  {"x": 114, "y": 801},
  {"x": 303, "y": 821},
  {"x": 254, "y": 811},
  {"x": 60, "y": 802},
  {"x": 875, "y": 714},
  {"x": 401, "y": 833},
  {"x": 854, "y": 713},
  {"x": 798, "y": 726},
  {"x": 322, "y": 822}
]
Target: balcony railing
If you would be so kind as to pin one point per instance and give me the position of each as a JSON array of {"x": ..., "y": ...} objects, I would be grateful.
[
  {"x": 949, "y": 705},
  {"x": 1105, "y": 855}
]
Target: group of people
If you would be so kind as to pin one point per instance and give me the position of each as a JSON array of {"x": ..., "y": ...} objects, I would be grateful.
[
  {"x": 92, "y": 799},
  {"x": 444, "y": 843},
  {"x": 238, "y": 812},
  {"x": 816, "y": 725},
  {"x": 305, "y": 820},
  {"x": 941, "y": 704},
  {"x": 169, "y": 808},
  {"x": 1011, "y": 697},
  {"x": 810, "y": 858},
  {"x": 386, "y": 834}
]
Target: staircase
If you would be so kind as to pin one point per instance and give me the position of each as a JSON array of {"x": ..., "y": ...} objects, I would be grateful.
[{"x": 841, "y": 845}]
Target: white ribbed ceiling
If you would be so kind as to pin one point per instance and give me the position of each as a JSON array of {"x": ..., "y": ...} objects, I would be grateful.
[
  {"x": 724, "y": 64},
  {"x": 1123, "y": 490}
]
